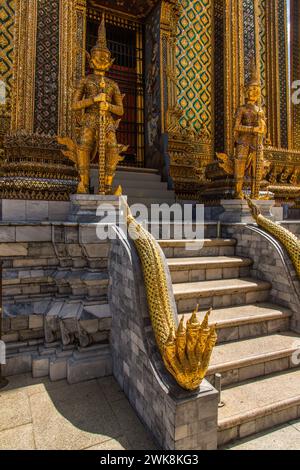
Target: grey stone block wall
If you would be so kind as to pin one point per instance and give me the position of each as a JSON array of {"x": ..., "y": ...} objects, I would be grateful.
[
  {"x": 176, "y": 418},
  {"x": 270, "y": 263},
  {"x": 57, "y": 270},
  {"x": 293, "y": 227}
]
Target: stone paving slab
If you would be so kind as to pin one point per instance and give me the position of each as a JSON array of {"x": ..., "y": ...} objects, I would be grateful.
[{"x": 94, "y": 415}]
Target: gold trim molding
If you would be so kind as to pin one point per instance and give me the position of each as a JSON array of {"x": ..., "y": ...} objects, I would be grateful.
[{"x": 22, "y": 113}]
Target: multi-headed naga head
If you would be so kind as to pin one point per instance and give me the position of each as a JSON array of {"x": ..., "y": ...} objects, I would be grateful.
[{"x": 187, "y": 353}]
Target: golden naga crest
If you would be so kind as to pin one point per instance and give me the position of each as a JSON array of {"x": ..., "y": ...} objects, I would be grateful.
[
  {"x": 226, "y": 163},
  {"x": 290, "y": 242},
  {"x": 185, "y": 350},
  {"x": 187, "y": 353}
]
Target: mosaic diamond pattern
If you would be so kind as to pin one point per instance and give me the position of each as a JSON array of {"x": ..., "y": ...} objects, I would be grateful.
[
  {"x": 219, "y": 75},
  {"x": 47, "y": 68},
  {"x": 263, "y": 51},
  {"x": 296, "y": 73},
  {"x": 7, "y": 17},
  {"x": 194, "y": 62},
  {"x": 249, "y": 35},
  {"x": 283, "y": 75}
]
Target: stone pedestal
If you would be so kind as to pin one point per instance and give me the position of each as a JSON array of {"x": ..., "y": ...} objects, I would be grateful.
[
  {"x": 238, "y": 211},
  {"x": 92, "y": 208},
  {"x": 18, "y": 210}
]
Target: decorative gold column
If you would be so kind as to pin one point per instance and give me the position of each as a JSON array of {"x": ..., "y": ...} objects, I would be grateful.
[
  {"x": 295, "y": 70},
  {"x": 187, "y": 99},
  {"x": 22, "y": 113},
  {"x": 7, "y": 15},
  {"x": 71, "y": 58},
  {"x": 234, "y": 66}
]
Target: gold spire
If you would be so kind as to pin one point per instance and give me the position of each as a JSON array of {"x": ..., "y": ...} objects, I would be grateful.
[
  {"x": 204, "y": 324},
  {"x": 181, "y": 329},
  {"x": 193, "y": 323},
  {"x": 101, "y": 44},
  {"x": 254, "y": 79}
]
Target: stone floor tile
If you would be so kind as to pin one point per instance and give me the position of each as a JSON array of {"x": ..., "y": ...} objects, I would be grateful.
[
  {"x": 121, "y": 443},
  {"x": 14, "y": 409},
  {"x": 18, "y": 438},
  {"x": 73, "y": 421}
]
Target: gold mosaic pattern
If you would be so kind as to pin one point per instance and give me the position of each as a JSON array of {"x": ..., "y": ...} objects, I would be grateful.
[
  {"x": 262, "y": 41},
  {"x": 194, "y": 63},
  {"x": 7, "y": 18}
]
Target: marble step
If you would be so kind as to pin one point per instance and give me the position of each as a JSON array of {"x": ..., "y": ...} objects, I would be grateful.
[
  {"x": 248, "y": 321},
  {"x": 243, "y": 360},
  {"x": 146, "y": 200},
  {"x": 137, "y": 175},
  {"x": 195, "y": 248},
  {"x": 258, "y": 405},
  {"x": 174, "y": 230},
  {"x": 208, "y": 268},
  {"x": 145, "y": 191},
  {"x": 130, "y": 186},
  {"x": 221, "y": 293}
]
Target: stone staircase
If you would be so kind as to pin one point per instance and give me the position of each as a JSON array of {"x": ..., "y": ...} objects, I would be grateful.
[
  {"x": 255, "y": 347},
  {"x": 141, "y": 185}
]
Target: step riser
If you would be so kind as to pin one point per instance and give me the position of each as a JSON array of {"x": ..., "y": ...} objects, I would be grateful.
[
  {"x": 237, "y": 375},
  {"x": 123, "y": 177},
  {"x": 247, "y": 331},
  {"x": 141, "y": 184},
  {"x": 258, "y": 425},
  {"x": 219, "y": 301},
  {"x": 209, "y": 274},
  {"x": 148, "y": 200},
  {"x": 169, "y": 232},
  {"x": 181, "y": 252},
  {"x": 147, "y": 192}
]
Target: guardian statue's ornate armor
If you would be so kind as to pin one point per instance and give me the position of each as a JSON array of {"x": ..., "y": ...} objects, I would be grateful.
[
  {"x": 249, "y": 132},
  {"x": 101, "y": 103}
]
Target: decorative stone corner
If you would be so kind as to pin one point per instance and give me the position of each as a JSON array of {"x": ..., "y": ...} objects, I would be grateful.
[
  {"x": 238, "y": 211},
  {"x": 176, "y": 418},
  {"x": 84, "y": 208}
]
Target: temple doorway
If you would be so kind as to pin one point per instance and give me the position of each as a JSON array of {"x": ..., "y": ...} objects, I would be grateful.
[{"x": 125, "y": 41}]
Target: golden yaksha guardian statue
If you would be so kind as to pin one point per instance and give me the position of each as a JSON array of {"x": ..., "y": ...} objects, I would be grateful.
[
  {"x": 249, "y": 132},
  {"x": 101, "y": 102}
]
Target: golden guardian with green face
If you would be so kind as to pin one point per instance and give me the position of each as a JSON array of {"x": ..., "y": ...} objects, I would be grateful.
[
  {"x": 101, "y": 103},
  {"x": 249, "y": 132}
]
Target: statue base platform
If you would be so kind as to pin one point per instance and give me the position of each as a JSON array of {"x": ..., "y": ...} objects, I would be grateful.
[
  {"x": 19, "y": 210},
  {"x": 238, "y": 211},
  {"x": 92, "y": 208}
]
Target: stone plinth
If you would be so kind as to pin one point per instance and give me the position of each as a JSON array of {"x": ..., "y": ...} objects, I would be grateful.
[
  {"x": 84, "y": 208},
  {"x": 238, "y": 211},
  {"x": 18, "y": 210}
]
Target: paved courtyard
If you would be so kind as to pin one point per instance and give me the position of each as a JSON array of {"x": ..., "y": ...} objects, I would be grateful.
[
  {"x": 39, "y": 414},
  {"x": 94, "y": 415}
]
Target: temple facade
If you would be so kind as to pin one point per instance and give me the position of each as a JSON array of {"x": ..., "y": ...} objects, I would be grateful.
[
  {"x": 189, "y": 108},
  {"x": 182, "y": 65}
]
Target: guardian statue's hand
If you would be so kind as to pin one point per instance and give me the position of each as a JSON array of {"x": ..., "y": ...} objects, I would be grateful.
[{"x": 101, "y": 98}]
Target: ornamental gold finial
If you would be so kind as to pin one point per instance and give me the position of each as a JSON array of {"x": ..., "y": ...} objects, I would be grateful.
[
  {"x": 101, "y": 44},
  {"x": 254, "y": 79},
  {"x": 290, "y": 242}
]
